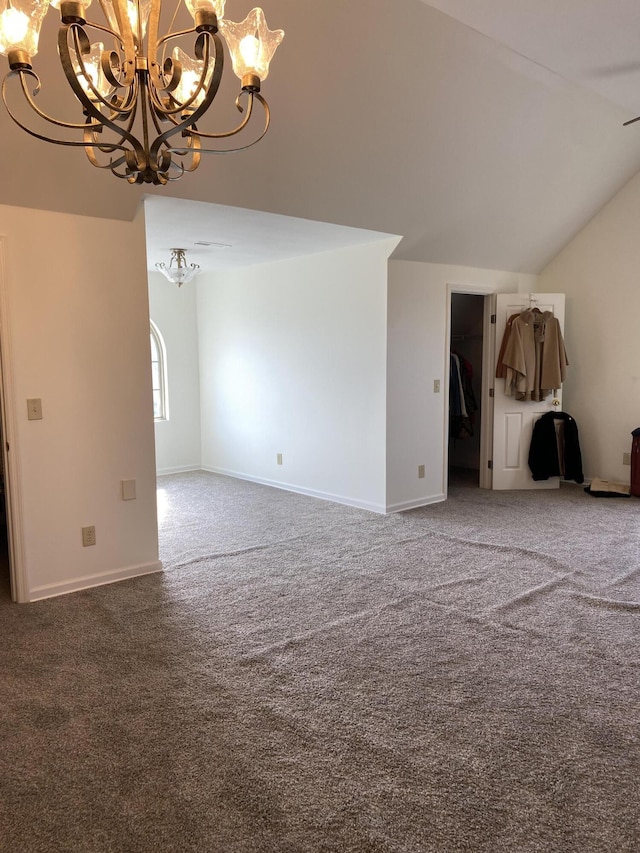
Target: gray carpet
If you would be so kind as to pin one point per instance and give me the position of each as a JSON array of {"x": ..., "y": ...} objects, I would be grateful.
[{"x": 309, "y": 677}]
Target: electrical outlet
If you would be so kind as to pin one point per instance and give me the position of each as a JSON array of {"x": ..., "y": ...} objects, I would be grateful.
[
  {"x": 626, "y": 459},
  {"x": 279, "y": 458},
  {"x": 88, "y": 536},
  {"x": 420, "y": 472}
]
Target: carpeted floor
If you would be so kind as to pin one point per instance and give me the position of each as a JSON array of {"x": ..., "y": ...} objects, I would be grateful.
[{"x": 308, "y": 677}]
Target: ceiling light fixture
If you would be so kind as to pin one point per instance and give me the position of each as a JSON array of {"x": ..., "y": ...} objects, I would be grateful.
[
  {"x": 180, "y": 273},
  {"x": 127, "y": 91}
]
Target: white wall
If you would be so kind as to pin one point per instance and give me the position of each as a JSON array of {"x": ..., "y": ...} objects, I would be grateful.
[
  {"x": 173, "y": 310},
  {"x": 418, "y": 353},
  {"x": 599, "y": 272},
  {"x": 75, "y": 333},
  {"x": 293, "y": 361}
]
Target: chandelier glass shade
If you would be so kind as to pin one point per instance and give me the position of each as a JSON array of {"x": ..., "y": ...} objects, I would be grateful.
[
  {"x": 142, "y": 94},
  {"x": 178, "y": 272}
]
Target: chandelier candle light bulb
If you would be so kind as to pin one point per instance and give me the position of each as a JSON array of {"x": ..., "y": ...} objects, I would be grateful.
[
  {"x": 55, "y": 4},
  {"x": 14, "y": 26},
  {"x": 20, "y": 23},
  {"x": 142, "y": 96},
  {"x": 92, "y": 79},
  {"x": 249, "y": 50},
  {"x": 252, "y": 45},
  {"x": 215, "y": 6},
  {"x": 187, "y": 88}
]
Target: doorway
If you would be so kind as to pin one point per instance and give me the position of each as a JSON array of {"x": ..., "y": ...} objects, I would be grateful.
[
  {"x": 471, "y": 336},
  {"x": 465, "y": 388}
]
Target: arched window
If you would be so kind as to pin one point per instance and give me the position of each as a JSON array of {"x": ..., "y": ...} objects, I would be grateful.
[{"x": 159, "y": 375}]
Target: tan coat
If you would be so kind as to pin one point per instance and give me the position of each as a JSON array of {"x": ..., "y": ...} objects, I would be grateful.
[{"x": 534, "y": 357}]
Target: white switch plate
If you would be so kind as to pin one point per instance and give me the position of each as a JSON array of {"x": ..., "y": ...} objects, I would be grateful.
[
  {"x": 128, "y": 490},
  {"x": 34, "y": 409},
  {"x": 436, "y": 386}
]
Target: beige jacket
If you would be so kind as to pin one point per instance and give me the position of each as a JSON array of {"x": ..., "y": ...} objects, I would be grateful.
[{"x": 535, "y": 357}]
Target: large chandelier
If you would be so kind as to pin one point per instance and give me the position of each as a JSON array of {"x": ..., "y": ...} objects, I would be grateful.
[{"x": 143, "y": 96}]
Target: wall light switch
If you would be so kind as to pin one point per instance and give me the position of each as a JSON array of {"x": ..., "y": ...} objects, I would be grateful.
[
  {"x": 279, "y": 458},
  {"x": 436, "y": 386},
  {"x": 34, "y": 409},
  {"x": 128, "y": 490}
]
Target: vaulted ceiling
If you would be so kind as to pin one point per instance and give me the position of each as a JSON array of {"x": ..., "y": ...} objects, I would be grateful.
[{"x": 486, "y": 134}]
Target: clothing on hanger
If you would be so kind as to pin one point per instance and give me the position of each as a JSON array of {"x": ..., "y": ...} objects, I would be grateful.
[
  {"x": 462, "y": 401},
  {"x": 533, "y": 358},
  {"x": 555, "y": 448},
  {"x": 501, "y": 370}
]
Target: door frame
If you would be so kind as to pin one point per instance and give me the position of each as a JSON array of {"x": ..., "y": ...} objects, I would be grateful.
[
  {"x": 486, "y": 408},
  {"x": 13, "y": 493}
]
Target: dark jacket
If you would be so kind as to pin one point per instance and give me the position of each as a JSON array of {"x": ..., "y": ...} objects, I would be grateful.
[{"x": 544, "y": 461}]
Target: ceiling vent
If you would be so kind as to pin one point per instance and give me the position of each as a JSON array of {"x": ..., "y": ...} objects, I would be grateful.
[{"x": 212, "y": 245}]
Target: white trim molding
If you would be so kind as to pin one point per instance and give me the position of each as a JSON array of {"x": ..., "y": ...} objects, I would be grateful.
[
  {"x": 51, "y": 590},
  {"x": 13, "y": 490},
  {"x": 312, "y": 493},
  {"x": 416, "y": 503},
  {"x": 179, "y": 469}
]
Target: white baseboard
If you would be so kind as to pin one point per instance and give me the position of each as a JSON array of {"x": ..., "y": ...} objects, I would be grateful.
[
  {"x": 63, "y": 587},
  {"x": 180, "y": 469},
  {"x": 288, "y": 487},
  {"x": 414, "y": 504}
]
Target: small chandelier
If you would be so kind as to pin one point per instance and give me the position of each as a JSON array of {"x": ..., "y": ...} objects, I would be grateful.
[
  {"x": 141, "y": 100},
  {"x": 180, "y": 273}
]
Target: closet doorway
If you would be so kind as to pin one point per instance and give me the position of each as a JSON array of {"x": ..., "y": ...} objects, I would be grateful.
[{"x": 469, "y": 414}]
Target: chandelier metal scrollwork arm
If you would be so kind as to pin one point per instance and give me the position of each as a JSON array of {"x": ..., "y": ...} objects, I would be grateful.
[
  {"x": 127, "y": 94},
  {"x": 22, "y": 74}
]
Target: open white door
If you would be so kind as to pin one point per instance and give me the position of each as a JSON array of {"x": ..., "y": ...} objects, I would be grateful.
[{"x": 513, "y": 419}]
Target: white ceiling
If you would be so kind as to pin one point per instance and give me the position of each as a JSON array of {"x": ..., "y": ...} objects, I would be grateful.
[
  {"x": 241, "y": 237},
  {"x": 591, "y": 42},
  {"x": 486, "y": 134}
]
